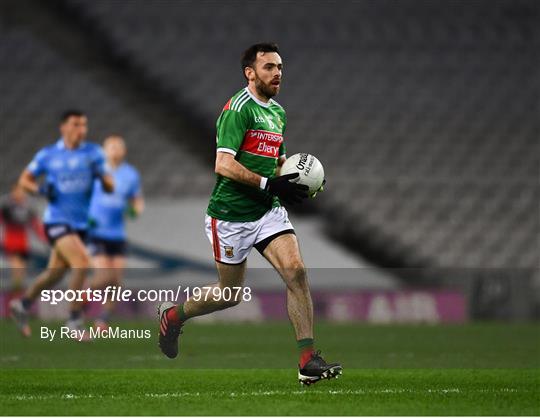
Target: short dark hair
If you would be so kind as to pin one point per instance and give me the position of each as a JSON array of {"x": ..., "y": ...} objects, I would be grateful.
[
  {"x": 250, "y": 55},
  {"x": 66, "y": 114}
]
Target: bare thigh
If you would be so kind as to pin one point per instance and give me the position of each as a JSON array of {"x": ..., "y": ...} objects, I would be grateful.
[
  {"x": 284, "y": 255},
  {"x": 72, "y": 250},
  {"x": 231, "y": 275}
]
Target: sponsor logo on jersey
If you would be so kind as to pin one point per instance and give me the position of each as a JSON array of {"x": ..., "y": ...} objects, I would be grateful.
[
  {"x": 73, "y": 162},
  {"x": 263, "y": 143},
  {"x": 267, "y": 120},
  {"x": 74, "y": 182}
]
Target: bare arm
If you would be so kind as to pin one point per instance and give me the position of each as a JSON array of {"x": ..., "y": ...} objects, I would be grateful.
[
  {"x": 280, "y": 162},
  {"x": 28, "y": 182},
  {"x": 107, "y": 181},
  {"x": 227, "y": 166},
  {"x": 279, "y": 186}
]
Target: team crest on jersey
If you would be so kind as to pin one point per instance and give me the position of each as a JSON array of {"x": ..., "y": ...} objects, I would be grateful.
[{"x": 229, "y": 251}]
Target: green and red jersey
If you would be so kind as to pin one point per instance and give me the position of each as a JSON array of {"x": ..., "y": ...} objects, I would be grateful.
[{"x": 252, "y": 131}]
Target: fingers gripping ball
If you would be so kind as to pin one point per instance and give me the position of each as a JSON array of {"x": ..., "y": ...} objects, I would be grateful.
[{"x": 310, "y": 170}]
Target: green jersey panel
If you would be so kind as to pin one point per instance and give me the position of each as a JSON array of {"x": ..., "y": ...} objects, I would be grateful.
[{"x": 252, "y": 131}]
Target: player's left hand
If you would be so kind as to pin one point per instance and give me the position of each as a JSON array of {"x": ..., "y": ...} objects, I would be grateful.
[
  {"x": 131, "y": 212},
  {"x": 319, "y": 190}
]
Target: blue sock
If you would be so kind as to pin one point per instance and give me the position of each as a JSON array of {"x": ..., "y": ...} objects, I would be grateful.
[
  {"x": 105, "y": 315},
  {"x": 26, "y": 303},
  {"x": 74, "y": 315}
]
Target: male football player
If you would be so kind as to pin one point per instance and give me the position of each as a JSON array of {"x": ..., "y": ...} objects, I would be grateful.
[
  {"x": 69, "y": 168},
  {"x": 107, "y": 235},
  {"x": 245, "y": 210}
]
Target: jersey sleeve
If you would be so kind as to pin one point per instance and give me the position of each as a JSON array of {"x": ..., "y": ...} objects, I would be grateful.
[
  {"x": 231, "y": 128},
  {"x": 98, "y": 162},
  {"x": 135, "y": 189},
  {"x": 282, "y": 147},
  {"x": 282, "y": 150},
  {"x": 37, "y": 166}
]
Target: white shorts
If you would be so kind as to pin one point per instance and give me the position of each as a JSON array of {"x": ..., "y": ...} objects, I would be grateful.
[{"x": 232, "y": 241}]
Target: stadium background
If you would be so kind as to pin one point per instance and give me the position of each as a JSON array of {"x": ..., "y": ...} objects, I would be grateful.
[{"x": 425, "y": 115}]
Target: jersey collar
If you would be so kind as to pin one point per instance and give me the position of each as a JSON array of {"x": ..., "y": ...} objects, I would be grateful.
[
  {"x": 110, "y": 168},
  {"x": 259, "y": 102},
  {"x": 61, "y": 145}
]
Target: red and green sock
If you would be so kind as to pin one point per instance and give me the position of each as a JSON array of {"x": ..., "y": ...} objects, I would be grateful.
[
  {"x": 305, "y": 345},
  {"x": 177, "y": 315}
]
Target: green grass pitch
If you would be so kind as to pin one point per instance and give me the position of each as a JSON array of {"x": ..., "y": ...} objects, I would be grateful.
[{"x": 249, "y": 369}]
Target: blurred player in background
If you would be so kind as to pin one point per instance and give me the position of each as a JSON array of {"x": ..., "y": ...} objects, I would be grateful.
[
  {"x": 245, "y": 211},
  {"x": 17, "y": 216},
  {"x": 69, "y": 168},
  {"x": 107, "y": 235}
]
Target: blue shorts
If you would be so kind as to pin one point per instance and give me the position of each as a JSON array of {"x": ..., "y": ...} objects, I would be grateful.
[
  {"x": 108, "y": 247},
  {"x": 56, "y": 231}
]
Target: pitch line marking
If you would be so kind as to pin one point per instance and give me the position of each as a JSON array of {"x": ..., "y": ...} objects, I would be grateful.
[
  {"x": 10, "y": 359},
  {"x": 307, "y": 391}
]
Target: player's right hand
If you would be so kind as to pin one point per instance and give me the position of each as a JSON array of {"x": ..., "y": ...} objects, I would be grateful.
[
  {"x": 48, "y": 191},
  {"x": 285, "y": 190}
]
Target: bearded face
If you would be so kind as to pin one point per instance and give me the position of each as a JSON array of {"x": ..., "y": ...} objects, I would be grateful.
[{"x": 266, "y": 74}]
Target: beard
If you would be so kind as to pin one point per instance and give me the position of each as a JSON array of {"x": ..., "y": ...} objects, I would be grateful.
[{"x": 265, "y": 90}]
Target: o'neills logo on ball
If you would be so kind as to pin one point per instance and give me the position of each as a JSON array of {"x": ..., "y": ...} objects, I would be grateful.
[
  {"x": 302, "y": 164},
  {"x": 263, "y": 143}
]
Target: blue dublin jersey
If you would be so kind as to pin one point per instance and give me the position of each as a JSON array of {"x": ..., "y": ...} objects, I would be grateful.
[
  {"x": 107, "y": 209},
  {"x": 71, "y": 173}
]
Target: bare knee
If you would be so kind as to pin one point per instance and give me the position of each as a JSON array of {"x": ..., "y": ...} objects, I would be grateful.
[
  {"x": 229, "y": 298},
  {"x": 295, "y": 275},
  {"x": 81, "y": 261},
  {"x": 53, "y": 275},
  {"x": 229, "y": 303}
]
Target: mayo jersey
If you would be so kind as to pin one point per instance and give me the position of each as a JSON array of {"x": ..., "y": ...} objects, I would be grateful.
[
  {"x": 71, "y": 172},
  {"x": 252, "y": 131}
]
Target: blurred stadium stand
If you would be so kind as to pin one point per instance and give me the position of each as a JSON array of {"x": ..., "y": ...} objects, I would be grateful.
[
  {"x": 43, "y": 74},
  {"x": 425, "y": 114}
]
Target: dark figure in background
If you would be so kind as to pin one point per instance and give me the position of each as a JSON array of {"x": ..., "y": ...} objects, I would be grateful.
[{"x": 17, "y": 217}]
